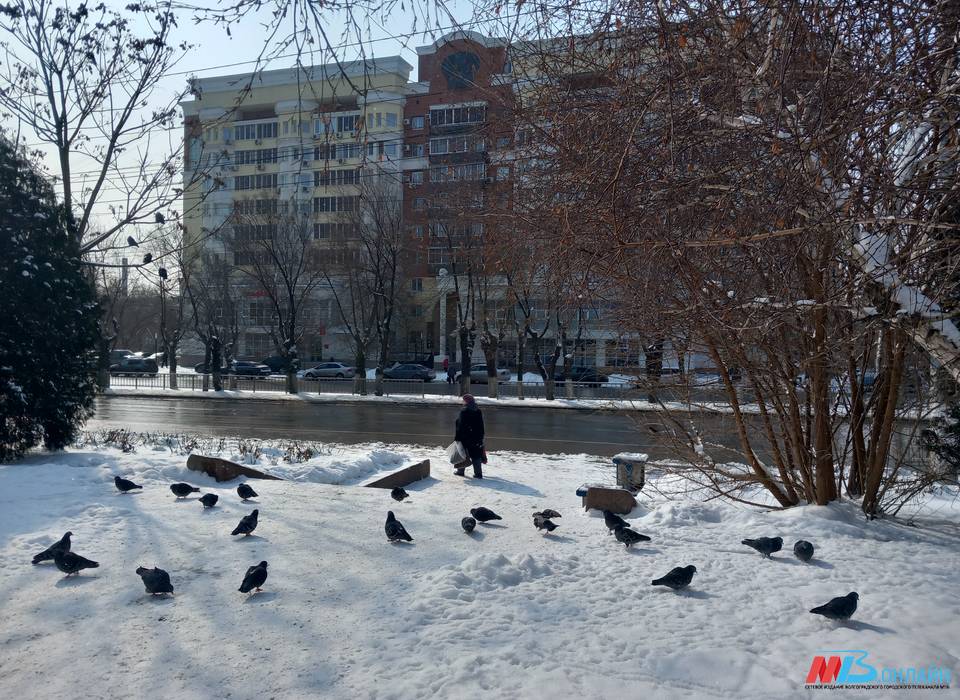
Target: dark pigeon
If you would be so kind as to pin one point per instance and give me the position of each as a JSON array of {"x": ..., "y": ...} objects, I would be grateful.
[
  {"x": 245, "y": 491},
  {"x": 254, "y": 578},
  {"x": 468, "y": 524},
  {"x": 803, "y": 550},
  {"x": 612, "y": 521},
  {"x": 70, "y": 563},
  {"x": 162, "y": 271},
  {"x": 484, "y": 514},
  {"x": 209, "y": 500},
  {"x": 549, "y": 513},
  {"x": 629, "y": 537},
  {"x": 156, "y": 581},
  {"x": 182, "y": 490},
  {"x": 765, "y": 545},
  {"x": 63, "y": 544},
  {"x": 159, "y": 218},
  {"x": 148, "y": 258},
  {"x": 131, "y": 241},
  {"x": 398, "y": 494},
  {"x": 248, "y": 523},
  {"x": 395, "y": 530},
  {"x": 543, "y": 523},
  {"x": 839, "y": 608},
  {"x": 125, "y": 485},
  {"x": 678, "y": 578}
]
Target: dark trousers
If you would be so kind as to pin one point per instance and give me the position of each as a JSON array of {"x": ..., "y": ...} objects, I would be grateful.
[{"x": 477, "y": 466}]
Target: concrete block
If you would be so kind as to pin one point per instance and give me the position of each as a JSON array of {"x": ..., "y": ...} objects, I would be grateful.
[
  {"x": 402, "y": 477},
  {"x": 615, "y": 500},
  {"x": 224, "y": 469}
]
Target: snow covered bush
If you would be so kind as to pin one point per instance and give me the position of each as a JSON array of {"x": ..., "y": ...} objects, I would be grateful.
[{"x": 48, "y": 318}]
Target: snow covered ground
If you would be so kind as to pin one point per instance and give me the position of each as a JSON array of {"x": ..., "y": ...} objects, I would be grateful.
[{"x": 504, "y": 613}]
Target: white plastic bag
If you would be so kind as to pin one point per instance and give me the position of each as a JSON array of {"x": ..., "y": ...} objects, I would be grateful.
[{"x": 456, "y": 452}]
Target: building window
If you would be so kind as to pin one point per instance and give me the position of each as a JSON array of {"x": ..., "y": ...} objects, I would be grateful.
[
  {"x": 328, "y": 178},
  {"x": 391, "y": 119},
  {"x": 416, "y": 177},
  {"x": 457, "y": 115},
  {"x": 418, "y": 231},
  {"x": 503, "y": 173},
  {"x": 503, "y": 142},
  {"x": 417, "y": 311},
  {"x": 257, "y": 345},
  {"x": 379, "y": 119},
  {"x": 417, "y": 122},
  {"x": 416, "y": 284},
  {"x": 255, "y": 182},
  {"x": 334, "y": 204},
  {"x": 418, "y": 150},
  {"x": 456, "y": 144},
  {"x": 348, "y": 123},
  {"x": 390, "y": 150},
  {"x": 369, "y": 121},
  {"x": 457, "y": 173},
  {"x": 246, "y": 132},
  {"x": 419, "y": 203}
]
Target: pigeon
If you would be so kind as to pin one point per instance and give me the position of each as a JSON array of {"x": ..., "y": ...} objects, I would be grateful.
[
  {"x": 629, "y": 537},
  {"x": 548, "y": 513},
  {"x": 765, "y": 545},
  {"x": 484, "y": 514},
  {"x": 155, "y": 581},
  {"x": 612, "y": 521},
  {"x": 159, "y": 218},
  {"x": 248, "y": 523},
  {"x": 803, "y": 550},
  {"x": 245, "y": 492},
  {"x": 679, "y": 577},
  {"x": 182, "y": 490},
  {"x": 398, "y": 494},
  {"x": 468, "y": 524},
  {"x": 254, "y": 578},
  {"x": 125, "y": 485},
  {"x": 131, "y": 241},
  {"x": 838, "y": 608},
  {"x": 162, "y": 271},
  {"x": 70, "y": 563},
  {"x": 395, "y": 530},
  {"x": 148, "y": 258},
  {"x": 209, "y": 500},
  {"x": 543, "y": 523},
  {"x": 62, "y": 545}
]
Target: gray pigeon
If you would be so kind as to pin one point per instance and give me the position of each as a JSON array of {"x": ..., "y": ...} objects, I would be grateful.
[
  {"x": 679, "y": 577},
  {"x": 549, "y": 513},
  {"x": 254, "y": 578},
  {"x": 838, "y": 608},
  {"x": 629, "y": 537},
  {"x": 803, "y": 550},
  {"x": 209, "y": 500},
  {"x": 484, "y": 514},
  {"x": 543, "y": 523},
  {"x": 468, "y": 524},
  {"x": 398, "y": 494},
  {"x": 245, "y": 491},
  {"x": 155, "y": 581},
  {"x": 63, "y": 544},
  {"x": 248, "y": 523},
  {"x": 70, "y": 563},
  {"x": 765, "y": 545},
  {"x": 125, "y": 485},
  {"x": 612, "y": 521},
  {"x": 395, "y": 530},
  {"x": 182, "y": 490}
]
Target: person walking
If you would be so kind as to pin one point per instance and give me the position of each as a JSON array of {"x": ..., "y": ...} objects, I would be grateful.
[
  {"x": 449, "y": 369},
  {"x": 470, "y": 434}
]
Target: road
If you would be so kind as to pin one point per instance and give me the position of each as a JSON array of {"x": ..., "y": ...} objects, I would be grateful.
[{"x": 542, "y": 430}]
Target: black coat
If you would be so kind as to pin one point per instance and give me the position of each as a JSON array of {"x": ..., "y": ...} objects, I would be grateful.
[{"x": 470, "y": 430}]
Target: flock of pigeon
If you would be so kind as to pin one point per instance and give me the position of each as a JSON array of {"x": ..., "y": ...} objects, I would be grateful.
[{"x": 157, "y": 581}]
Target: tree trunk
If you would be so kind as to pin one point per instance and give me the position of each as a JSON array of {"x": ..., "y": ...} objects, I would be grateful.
[
  {"x": 521, "y": 346},
  {"x": 360, "y": 378},
  {"x": 103, "y": 364},
  {"x": 825, "y": 483},
  {"x": 205, "y": 383},
  {"x": 466, "y": 354},
  {"x": 216, "y": 361},
  {"x": 381, "y": 362},
  {"x": 172, "y": 363},
  {"x": 490, "y": 345}
]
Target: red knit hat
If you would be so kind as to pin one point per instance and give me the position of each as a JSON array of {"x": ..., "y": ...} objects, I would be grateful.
[{"x": 468, "y": 398}]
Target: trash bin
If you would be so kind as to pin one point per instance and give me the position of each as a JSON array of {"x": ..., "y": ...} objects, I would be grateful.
[{"x": 631, "y": 470}]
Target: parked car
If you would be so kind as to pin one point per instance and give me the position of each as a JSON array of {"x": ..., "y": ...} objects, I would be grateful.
[
  {"x": 410, "y": 371},
  {"x": 247, "y": 368},
  {"x": 478, "y": 374},
  {"x": 201, "y": 368},
  {"x": 327, "y": 369},
  {"x": 138, "y": 366},
  {"x": 276, "y": 363},
  {"x": 119, "y": 354},
  {"x": 582, "y": 375}
]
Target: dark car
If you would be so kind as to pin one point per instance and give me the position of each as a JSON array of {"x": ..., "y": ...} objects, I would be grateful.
[
  {"x": 202, "y": 368},
  {"x": 276, "y": 363},
  {"x": 246, "y": 368},
  {"x": 410, "y": 371},
  {"x": 135, "y": 366},
  {"x": 582, "y": 375}
]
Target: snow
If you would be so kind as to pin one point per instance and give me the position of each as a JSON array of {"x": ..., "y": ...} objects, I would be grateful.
[{"x": 506, "y": 612}]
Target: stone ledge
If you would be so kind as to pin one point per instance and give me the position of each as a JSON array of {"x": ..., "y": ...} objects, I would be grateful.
[
  {"x": 402, "y": 477},
  {"x": 224, "y": 469}
]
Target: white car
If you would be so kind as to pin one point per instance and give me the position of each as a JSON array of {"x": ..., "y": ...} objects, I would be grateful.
[
  {"x": 337, "y": 370},
  {"x": 478, "y": 374}
]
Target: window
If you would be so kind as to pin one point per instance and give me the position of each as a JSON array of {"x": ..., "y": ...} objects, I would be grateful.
[
  {"x": 416, "y": 284},
  {"x": 418, "y": 231},
  {"x": 348, "y": 123},
  {"x": 456, "y": 144},
  {"x": 418, "y": 149},
  {"x": 227, "y": 133},
  {"x": 457, "y": 115},
  {"x": 369, "y": 121},
  {"x": 321, "y": 125},
  {"x": 249, "y": 233},
  {"x": 390, "y": 150},
  {"x": 334, "y": 230},
  {"x": 457, "y": 173},
  {"x": 417, "y": 122},
  {"x": 334, "y": 204},
  {"x": 419, "y": 203},
  {"x": 391, "y": 119},
  {"x": 286, "y": 127},
  {"x": 503, "y": 174},
  {"x": 348, "y": 150},
  {"x": 417, "y": 311},
  {"x": 246, "y": 132},
  {"x": 379, "y": 119},
  {"x": 257, "y": 345},
  {"x": 255, "y": 182},
  {"x": 258, "y": 156},
  {"x": 503, "y": 142},
  {"x": 416, "y": 177},
  {"x": 255, "y": 206},
  {"x": 327, "y": 178}
]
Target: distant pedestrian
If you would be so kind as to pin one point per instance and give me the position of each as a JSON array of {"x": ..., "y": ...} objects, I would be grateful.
[
  {"x": 470, "y": 434},
  {"x": 449, "y": 370}
]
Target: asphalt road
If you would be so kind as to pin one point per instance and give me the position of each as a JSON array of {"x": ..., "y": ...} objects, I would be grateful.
[{"x": 542, "y": 430}]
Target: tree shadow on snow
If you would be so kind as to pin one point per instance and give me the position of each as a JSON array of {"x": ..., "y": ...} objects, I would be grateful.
[
  {"x": 71, "y": 581},
  {"x": 498, "y": 484}
]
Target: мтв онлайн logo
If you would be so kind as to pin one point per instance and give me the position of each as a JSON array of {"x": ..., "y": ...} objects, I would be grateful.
[{"x": 849, "y": 668}]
